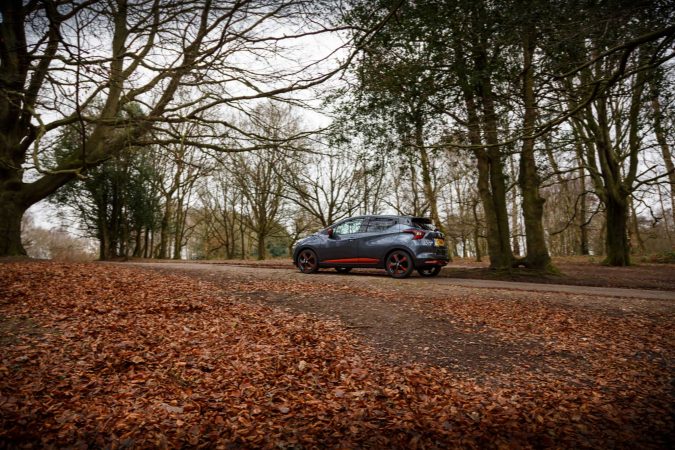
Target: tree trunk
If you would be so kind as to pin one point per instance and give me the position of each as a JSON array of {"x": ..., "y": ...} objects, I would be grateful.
[
  {"x": 583, "y": 226},
  {"x": 616, "y": 237},
  {"x": 500, "y": 234},
  {"x": 150, "y": 249},
  {"x": 514, "y": 214},
  {"x": 635, "y": 231},
  {"x": 138, "y": 243},
  {"x": 666, "y": 225},
  {"x": 533, "y": 209},
  {"x": 125, "y": 239},
  {"x": 491, "y": 183},
  {"x": 261, "y": 246},
  {"x": 179, "y": 226},
  {"x": 497, "y": 259},
  {"x": 492, "y": 193},
  {"x": 607, "y": 180},
  {"x": 414, "y": 188},
  {"x": 230, "y": 232},
  {"x": 665, "y": 152},
  {"x": 476, "y": 232},
  {"x": 429, "y": 191},
  {"x": 103, "y": 241},
  {"x": 164, "y": 231},
  {"x": 10, "y": 226},
  {"x": 243, "y": 242},
  {"x": 501, "y": 256},
  {"x": 177, "y": 250},
  {"x": 16, "y": 197},
  {"x": 249, "y": 245},
  {"x": 537, "y": 256},
  {"x": 178, "y": 240}
]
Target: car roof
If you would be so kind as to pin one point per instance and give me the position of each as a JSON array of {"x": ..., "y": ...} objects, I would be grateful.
[{"x": 392, "y": 216}]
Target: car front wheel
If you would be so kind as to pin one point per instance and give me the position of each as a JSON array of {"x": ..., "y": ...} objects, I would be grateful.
[
  {"x": 429, "y": 271},
  {"x": 399, "y": 264},
  {"x": 307, "y": 261}
]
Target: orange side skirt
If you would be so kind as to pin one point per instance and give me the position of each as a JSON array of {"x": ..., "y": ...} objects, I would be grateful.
[{"x": 351, "y": 261}]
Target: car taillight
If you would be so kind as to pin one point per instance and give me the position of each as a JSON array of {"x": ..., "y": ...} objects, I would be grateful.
[{"x": 417, "y": 234}]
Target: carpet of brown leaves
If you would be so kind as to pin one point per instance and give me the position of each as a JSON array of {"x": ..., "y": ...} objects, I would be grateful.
[{"x": 110, "y": 356}]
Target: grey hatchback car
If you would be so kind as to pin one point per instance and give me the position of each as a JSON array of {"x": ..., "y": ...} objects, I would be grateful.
[{"x": 398, "y": 244}]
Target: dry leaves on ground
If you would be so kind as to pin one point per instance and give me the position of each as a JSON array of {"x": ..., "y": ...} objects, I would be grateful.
[{"x": 109, "y": 356}]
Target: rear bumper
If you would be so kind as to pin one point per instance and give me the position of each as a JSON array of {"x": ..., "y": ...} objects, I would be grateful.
[{"x": 431, "y": 259}]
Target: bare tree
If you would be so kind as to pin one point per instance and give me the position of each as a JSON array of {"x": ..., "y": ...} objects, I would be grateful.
[
  {"x": 179, "y": 168},
  {"x": 666, "y": 148},
  {"x": 325, "y": 186},
  {"x": 222, "y": 203},
  {"x": 614, "y": 136},
  {"x": 58, "y": 58},
  {"x": 256, "y": 173}
]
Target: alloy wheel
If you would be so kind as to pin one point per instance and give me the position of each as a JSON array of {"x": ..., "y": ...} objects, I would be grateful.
[
  {"x": 307, "y": 261},
  {"x": 399, "y": 264}
]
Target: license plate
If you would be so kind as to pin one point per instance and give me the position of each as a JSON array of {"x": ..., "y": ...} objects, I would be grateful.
[{"x": 439, "y": 242}]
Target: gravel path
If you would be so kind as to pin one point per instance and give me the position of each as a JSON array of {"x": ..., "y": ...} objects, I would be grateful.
[{"x": 408, "y": 320}]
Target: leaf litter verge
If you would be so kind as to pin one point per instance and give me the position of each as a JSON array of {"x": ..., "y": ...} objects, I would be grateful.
[{"x": 134, "y": 357}]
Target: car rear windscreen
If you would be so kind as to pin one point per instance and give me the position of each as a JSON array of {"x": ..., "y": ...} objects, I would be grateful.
[{"x": 424, "y": 224}]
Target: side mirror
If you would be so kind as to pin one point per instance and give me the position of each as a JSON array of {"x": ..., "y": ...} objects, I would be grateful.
[{"x": 329, "y": 232}]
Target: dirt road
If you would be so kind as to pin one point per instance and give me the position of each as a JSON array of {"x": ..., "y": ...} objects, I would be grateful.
[{"x": 439, "y": 321}]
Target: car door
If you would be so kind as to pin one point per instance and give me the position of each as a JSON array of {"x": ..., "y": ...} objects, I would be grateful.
[
  {"x": 377, "y": 238},
  {"x": 342, "y": 247}
]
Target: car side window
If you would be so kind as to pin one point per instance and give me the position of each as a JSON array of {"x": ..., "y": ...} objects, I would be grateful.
[
  {"x": 379, "y": 224},
  {"x": 349, "y": 227}
]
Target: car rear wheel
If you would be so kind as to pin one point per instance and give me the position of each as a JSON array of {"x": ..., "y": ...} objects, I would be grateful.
[
  {"x": 399, "y": 264},
  {"x": 307, "y": 261},
  {"x": 343, "y": 269},
  {"x": 429, "y": 271}
]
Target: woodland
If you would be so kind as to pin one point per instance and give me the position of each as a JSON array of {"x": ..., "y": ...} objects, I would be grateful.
[
  {"x": 183, "y": 129},
  {"x": 537, "y": 135}
]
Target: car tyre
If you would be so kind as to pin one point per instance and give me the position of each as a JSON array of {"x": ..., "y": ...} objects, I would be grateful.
[
  {"x": 343, "y": 270},
  {"x": 307, "y": 261},
  {"x": 429, "y": 271},
  {"x": 399, "y": 264}
]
